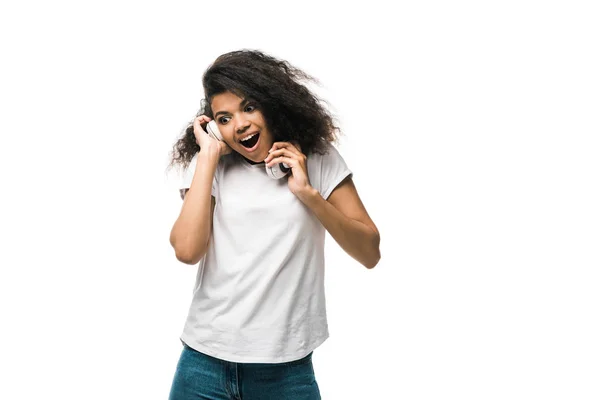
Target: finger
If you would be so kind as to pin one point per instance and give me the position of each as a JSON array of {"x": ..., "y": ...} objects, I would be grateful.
[
  {"x": 278, "y": 145},
  {"x": 197, "y": 124},
  {"x": 285, "y": 145},
  {"x": 281, "y": 145},
  {"x": 283, "y": 152},
  {"x": 279, "y": 152},
  {"x": 202, "y": 119},
  {"x": 292, "y": 162},
  {"x": 198, "y": 129}
]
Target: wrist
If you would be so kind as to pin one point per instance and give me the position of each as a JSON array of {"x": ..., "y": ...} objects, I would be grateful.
[
  {"x": 206, "y": 157},
  {"x": 309, "y": 195}
]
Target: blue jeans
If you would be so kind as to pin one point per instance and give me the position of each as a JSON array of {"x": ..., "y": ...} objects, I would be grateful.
[{"x": 202, "y": 377}]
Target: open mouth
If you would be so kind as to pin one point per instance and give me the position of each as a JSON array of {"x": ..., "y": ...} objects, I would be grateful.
[{"x": 250, "y": 143}]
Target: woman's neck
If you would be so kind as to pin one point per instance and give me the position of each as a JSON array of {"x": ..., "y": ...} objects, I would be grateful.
[{"x": 251, "y": 162}]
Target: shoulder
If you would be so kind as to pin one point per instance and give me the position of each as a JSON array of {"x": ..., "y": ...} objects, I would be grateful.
[
  {"x": 327, "y": 170},
  {"x": 327, "y": 155}
]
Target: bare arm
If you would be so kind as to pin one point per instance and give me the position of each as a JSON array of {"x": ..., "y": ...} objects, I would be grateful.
[
  {"x": 191, "y": 231},
  {"x": 346, "y": 219},
  {"x": 342, "y": 213}
]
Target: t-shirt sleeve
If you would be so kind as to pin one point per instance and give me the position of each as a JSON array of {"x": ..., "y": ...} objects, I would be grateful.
[
  {"x": 188, "y": 175},
  {"x": 327, "y": 171}
]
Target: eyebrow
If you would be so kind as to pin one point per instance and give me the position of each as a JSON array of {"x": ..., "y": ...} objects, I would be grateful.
[{"x": 242, "y": 103}]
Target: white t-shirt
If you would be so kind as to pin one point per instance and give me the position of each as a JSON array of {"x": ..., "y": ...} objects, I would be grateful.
[{"x": 259, "y": 295}]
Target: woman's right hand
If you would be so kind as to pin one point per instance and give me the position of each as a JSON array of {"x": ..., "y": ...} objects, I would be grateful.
[{"x": 205, "y": 141}]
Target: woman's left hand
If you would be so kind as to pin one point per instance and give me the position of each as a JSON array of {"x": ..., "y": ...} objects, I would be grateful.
[{"x": 290, "y": 154}]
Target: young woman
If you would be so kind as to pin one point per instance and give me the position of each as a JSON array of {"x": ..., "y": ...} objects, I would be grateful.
[{"x": 258, "y": 307}]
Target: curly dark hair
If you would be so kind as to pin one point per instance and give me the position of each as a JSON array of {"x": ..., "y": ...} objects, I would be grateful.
[{"x": 292, "y": 112}]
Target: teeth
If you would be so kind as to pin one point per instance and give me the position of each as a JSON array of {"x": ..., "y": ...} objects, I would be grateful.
[{"x": 249, "y": 137}]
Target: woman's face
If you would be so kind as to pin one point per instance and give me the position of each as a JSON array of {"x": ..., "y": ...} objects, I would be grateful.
[{"x": 239, "y": 119}]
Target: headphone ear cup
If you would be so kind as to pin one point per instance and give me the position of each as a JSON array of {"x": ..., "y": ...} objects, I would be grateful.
[
  {"x": 278, "y": 171},
  {"x": 213, "y": 130}
]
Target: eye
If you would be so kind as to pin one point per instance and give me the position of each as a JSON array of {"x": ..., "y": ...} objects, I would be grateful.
[
  {"x": 223, "y": 118},
  {"x": 251, "y": 107}
]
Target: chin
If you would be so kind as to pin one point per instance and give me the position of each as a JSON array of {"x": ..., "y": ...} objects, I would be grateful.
[
  {"x": 259, "y": 159},
  {"x": 254, "y": 157}
]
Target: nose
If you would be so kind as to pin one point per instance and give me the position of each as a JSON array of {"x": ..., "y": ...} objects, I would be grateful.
[{"x": 242, "y": 124}]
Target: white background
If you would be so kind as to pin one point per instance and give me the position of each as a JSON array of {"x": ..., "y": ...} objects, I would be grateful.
[{"x": 472, "y": 131}]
